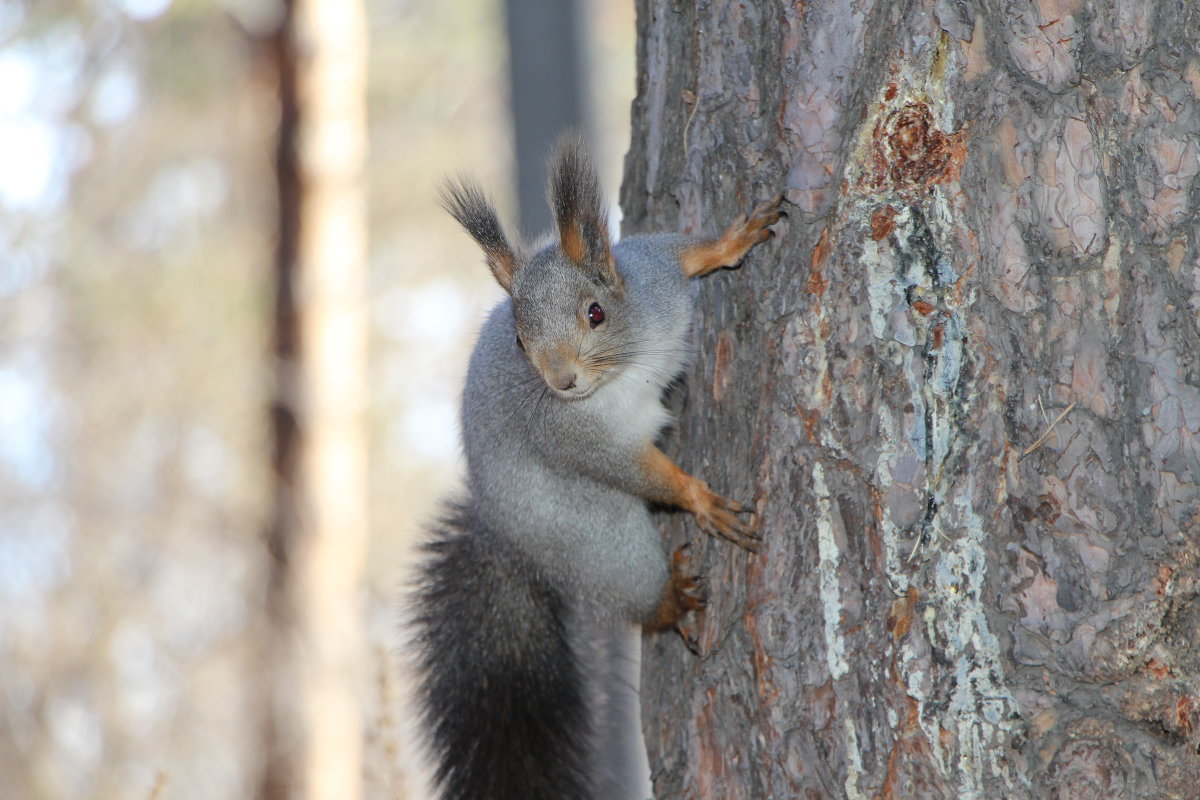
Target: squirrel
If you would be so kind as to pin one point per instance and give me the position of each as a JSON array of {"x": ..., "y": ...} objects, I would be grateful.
[{"x": 553, "y": 548}]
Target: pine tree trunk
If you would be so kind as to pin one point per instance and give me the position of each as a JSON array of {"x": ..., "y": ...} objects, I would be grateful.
[
  {"x": 317, "y": 534},
  {"x": 962, "y": 387}
]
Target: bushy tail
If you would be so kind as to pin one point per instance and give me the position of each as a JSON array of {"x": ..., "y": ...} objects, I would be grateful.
[{"x": 501, "y": 690}]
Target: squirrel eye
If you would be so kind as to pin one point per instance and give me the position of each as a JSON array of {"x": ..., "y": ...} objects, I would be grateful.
[{"x": 595, "y": 314}]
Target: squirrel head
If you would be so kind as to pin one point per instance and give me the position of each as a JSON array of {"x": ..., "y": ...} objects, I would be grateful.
[{"x": 568, "y": 297}]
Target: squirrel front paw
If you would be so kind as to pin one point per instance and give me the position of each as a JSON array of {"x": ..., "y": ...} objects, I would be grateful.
[
  {"x": 749, "y": 231},
  {"x": 727, "y": 251},
  {"x": 718, "y": 516}
]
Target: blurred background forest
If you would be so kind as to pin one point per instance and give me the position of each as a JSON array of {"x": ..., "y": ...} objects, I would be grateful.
[{"x": 137, "y": 230}]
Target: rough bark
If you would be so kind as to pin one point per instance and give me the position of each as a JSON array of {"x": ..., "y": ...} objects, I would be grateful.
[
  {"x": 962, "y": 387},
  {"x": 316, "y": 536}
]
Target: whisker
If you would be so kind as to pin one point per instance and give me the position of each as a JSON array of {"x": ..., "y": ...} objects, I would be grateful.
[
  {"x": 536, "y": 406},
  {"x": 521, "y": 387}
]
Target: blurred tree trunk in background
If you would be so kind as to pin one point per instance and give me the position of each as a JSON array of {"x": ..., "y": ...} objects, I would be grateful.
[
  {"x": 317, "y": 534},
  {"x": 962, "y": 386},
  {"x": 548, "y": 92}
]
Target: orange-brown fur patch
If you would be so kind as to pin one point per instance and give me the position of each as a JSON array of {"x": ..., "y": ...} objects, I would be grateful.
[
  {"x": 666, "y": 477},
  {"x": 571, "y": 240},
  {"x": 503, "y": 265},
  {"x": 682, "y": 593},
  {"x": 704, "y": 257},
  {"x": 713, "y": 254},
  {"x": 716, "y": 515}
]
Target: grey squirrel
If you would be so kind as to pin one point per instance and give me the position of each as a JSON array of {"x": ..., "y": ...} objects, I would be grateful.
[{"x": 553, "y": 545}]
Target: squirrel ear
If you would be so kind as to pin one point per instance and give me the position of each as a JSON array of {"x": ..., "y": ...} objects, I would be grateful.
[
  {"x": 468, "y": 204},
  {"x": 575, "y": 199}
]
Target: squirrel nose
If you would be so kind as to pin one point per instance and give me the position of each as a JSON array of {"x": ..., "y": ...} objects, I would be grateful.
[{"x": 563, "y": 380}]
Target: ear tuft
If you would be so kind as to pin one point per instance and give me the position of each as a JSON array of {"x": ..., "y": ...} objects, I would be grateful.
[
  {"x": 578, "y": 207},
  {"x": 470, "y": 206}
]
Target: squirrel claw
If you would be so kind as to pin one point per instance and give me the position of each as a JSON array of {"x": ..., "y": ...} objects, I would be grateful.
[
  {"x": 691, "y": 591},
  {"x": 690, "y": 594},
  {"x": 691, "y": 638},
  {"x": 737, "y": 532},
  {"x": 767, "y": 212},
  {"x": 757, "y": 228},
  {"x": 717, "y": 516}
]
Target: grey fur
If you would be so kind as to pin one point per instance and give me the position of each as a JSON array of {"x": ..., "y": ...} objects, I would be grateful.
[
  {"x": 619, "y": 767},
  {"x": 559, "y": 406},
  {"x": 558, "y": 476}
]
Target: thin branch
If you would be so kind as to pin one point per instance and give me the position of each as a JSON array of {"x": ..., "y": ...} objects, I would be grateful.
[{"x": 1046, "y": 435}]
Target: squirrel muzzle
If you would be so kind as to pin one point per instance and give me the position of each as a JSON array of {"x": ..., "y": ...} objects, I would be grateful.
[{"x": 562, "y": 372}]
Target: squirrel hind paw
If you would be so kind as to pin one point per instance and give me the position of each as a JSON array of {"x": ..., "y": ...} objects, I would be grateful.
[
  {"x": 690, "y": 633},
  {"x": 684, "y": 592},
  {"x": 690, "y": 594},
  {"x": 691, "y": 590}
]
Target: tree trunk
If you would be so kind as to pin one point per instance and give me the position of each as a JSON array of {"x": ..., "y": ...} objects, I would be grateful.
[
  {"x": 317, "y": 533},
  {"x": 962, "y": 387},
  {"x": 547, "y": 93}
]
